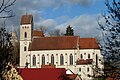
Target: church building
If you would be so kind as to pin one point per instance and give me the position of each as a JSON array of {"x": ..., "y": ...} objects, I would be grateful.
[{"x": 79, "y": 55}]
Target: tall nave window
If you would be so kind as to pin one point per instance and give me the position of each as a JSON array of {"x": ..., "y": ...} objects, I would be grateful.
[
  {"x": 52, "y": 59},
  {"x": 43, "y": 59},
  {"x": 71, "y": 59},
  {"x": 61, "y": 59},
  {"x": 34, "y": 60},
  {"x": 88, "y": 56}
]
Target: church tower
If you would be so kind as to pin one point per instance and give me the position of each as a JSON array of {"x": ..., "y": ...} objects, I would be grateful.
[{"x": 26, "y": 28}]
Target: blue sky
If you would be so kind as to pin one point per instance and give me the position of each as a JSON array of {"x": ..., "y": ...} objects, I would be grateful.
[
  {"x": 82, "y": 15},
  {"x": 74, "y": 10}
]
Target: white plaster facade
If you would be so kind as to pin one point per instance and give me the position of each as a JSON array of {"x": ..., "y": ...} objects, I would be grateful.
[
  {"x": 27, "y": 56},
  {"x": 24, "y": 42}
]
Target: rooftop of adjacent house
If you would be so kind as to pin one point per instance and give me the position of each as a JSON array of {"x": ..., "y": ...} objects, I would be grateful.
[
  {"x": 84, "y": 62},
  {"x": 42, "y": 73},
  {"x": 26, "y": 19},
  {"x": 62, "y": 43}
]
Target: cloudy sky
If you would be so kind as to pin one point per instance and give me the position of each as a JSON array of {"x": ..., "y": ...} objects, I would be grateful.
[{"x": 82, "y": 15}]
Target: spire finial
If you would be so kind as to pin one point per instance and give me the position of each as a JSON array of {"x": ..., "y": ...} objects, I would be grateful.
[{"x": 26, "y": 11}]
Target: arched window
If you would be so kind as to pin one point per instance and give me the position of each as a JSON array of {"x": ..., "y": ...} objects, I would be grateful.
[
  {"x": 88, "y": 69},
  {"x": 81, "y": 56},
  {"x": 25, "y": 34},
  {"x": 71, "y": 59},
  {"x": 34, "y": 60},
  {"x": 43, "y": 59},
  {"x": 96, "y": 60},
  {"x": 80, "y": 69},
  {"x": 52, "y": 59},
  {"x": 25, "y": 49},
  {"x": 61, "y": 59},
  {"x": 88, "y": 56}
]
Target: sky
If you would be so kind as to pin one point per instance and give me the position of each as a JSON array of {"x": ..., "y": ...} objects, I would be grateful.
[{"x": 82, "y": 15}]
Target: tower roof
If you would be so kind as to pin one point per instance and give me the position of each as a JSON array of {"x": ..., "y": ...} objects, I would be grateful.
[{"x": 26, "y": 19}]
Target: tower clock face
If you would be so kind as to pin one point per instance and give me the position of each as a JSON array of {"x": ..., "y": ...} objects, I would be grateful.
[{"x": 25, "y": 43}]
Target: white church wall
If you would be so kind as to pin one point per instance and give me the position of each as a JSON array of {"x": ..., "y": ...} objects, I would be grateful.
[
  {"x": 84, "y": 72},
  {"x": 93, "y": 53},
  {"x": 23, "y": 54},
  {"x": 56, "y": 53}
]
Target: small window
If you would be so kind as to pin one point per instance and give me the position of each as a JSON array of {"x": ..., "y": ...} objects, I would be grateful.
[
  {"x": 88, "y": 69},
  {"x": 75, "y": 53},
  {"x": 88, "y": 56},
  {"x": 80, "y": 69},
  {"x": 81, "y": 56},
  {"x": 25, "y": 49},
  {"x": 84, "y": 53},
  {"x": 25, "y": 34}
]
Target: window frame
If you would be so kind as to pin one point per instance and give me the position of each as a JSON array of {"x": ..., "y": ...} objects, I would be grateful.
[
  {"x": 52, "y": 59},
  {"x": 34, "y": 60},
  {"x": 43, "y": 59},
  {"x": 61, "y": 59},
  {"x": 71, "y": 59}
]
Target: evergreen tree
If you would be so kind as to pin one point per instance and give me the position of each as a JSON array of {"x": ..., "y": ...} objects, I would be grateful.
[{"x": 69, "y": 31}]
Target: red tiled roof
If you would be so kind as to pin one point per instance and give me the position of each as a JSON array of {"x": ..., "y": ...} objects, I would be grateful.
[
  {"x": 53, "y": 43},
  {"x": 82, "y": 61},
  {"x": 26, "y": 19},
  {"x": 88, "y": 43},
  {"x": 42, "y": 73},
  {"x": 38, "y": 33},
  {"x": 62, "y": 43},
  {"x": 48, "y": 66}
]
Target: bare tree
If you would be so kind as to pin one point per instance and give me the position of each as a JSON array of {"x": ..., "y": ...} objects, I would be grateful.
[
  {"x": 6, "y": 49},
  {"x": 5, "y": 8},
  {"x": 56, "y": 32},
  {"x": 42, "y": 28},
  {"x": 111, "y": 33}
]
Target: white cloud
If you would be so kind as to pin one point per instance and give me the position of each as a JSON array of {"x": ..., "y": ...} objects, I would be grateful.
[
  {"x": 84, "y": 25},
  {"x": 49, "y": 23}
]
